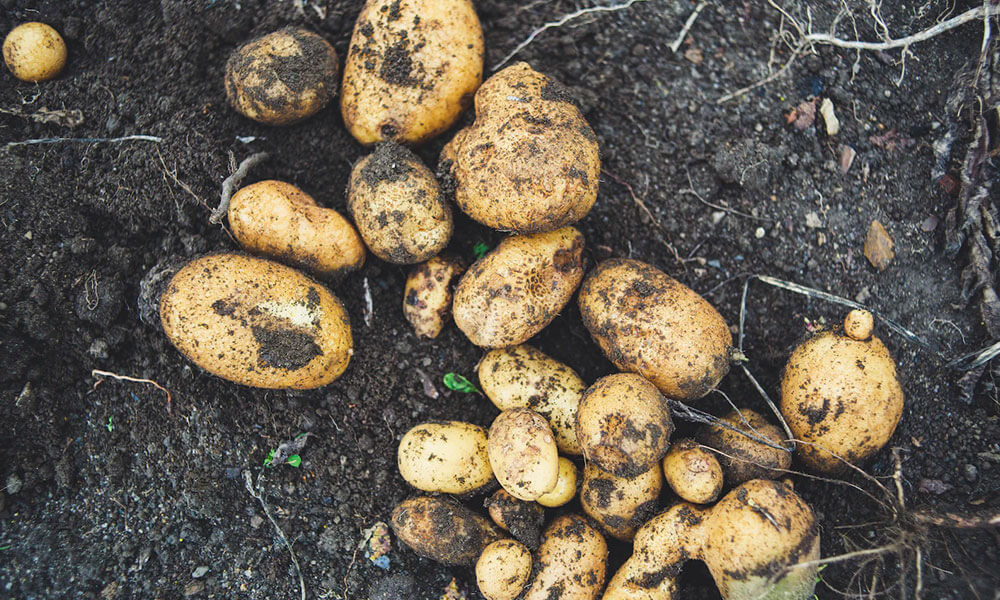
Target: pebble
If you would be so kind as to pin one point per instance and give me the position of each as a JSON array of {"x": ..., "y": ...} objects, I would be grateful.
[
  {"x": 14, "y": 484},
  {"x": 200, "y": 572},
  {"x": 759, "y": 233},
  {"x": 256, "y": 521},
  {"x": 812, "y": 221},
  {"x": 970, "y": 472},
  {"x": 829, "y": 117},
  {"x": 879, "y": 246}
]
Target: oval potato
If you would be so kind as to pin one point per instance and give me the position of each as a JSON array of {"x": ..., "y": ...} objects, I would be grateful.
[
  {"x": 565, "y": 489},
  {"x": 448, "y": 457},
  {"x": 692, "y": 472},
  {"x": 503, "y": 570},
  {"x": 571, "y": 563},
  {"x": 741, "y": 457},
  {"x": 34, "y": 52},
  {"x": 427, "y": 295},
  {"x": 443, "y": 530},
  {"x": 620, "y": 504},
  {"x": 523, "y": 453},
  {"x": 522, "y": 518}
]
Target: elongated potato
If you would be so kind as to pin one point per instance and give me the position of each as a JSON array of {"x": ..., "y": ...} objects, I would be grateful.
[
  {"x": 741, "y": 457},
  {"x": 647, "y": 322},
  {"x": 523, "y": 453},
  {"x": 503, "y": 570},
  {"x": 427, "y": 296},
  {"x": 522, "y": 518},
  {"x": 523, "y": 377},
  {"x": 513, "y": 292},
  {"x": 256, "y": 322},
  {"x": 620, "y": 504},
  {"x": 565, "y": 489},
  {"x": 692, "y": 472},
  {"x": 571, "y": 563},
  {"x": 448, "y": 457},
  {"x": 443, "y": 530}
]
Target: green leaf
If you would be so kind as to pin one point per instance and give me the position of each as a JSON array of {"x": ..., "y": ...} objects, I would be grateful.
[
  {"x": 7, "y": 547},
  {"x": 295, "y": 460},
  {"x": 111, "y": 424},
  {"x": 270, "y": 457},
  {"x": 480, "y": 250},
  {"x": 456, "y": 382}
]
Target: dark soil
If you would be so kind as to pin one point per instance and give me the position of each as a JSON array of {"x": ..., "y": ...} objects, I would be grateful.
[{"x": 108, "y": 494}]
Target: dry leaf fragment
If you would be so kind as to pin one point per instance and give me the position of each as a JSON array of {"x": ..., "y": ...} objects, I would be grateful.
[{"x": 879, "y": 246}]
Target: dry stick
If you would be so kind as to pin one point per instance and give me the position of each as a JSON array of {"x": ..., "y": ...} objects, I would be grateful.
[
  {"x": 230, "y": 183},
  {"x": 696, "y": 416},
  {"x": 957, "y": 521},
  {"x": 256, "y": 493},
  {"x": 676, "y": 44},
  {"x": 99, "y": 374},
  {"x": 141, "y": 138}
]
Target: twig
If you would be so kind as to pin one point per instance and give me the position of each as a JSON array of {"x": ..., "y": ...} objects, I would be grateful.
[
  {"x": 694, "y": 415},
  {"x": 676, "y": 44},
  {"x": 99, "y": 374},
  {"x": 921, "y": 36},
  {"x": 256, "y": 493},
  {"x": 957, "y": 521},
  {"x": 141, "y": 138},
  {"x": 230, "y": 183}
]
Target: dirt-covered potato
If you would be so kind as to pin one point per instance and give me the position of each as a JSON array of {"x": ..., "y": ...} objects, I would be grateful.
[
  {"x": 34, "y": 52},
  {"x": 620, "y": 505},
  {"x": 530, "y": 146},
  {"x": 412, "y": 68},
  {"x": 282, "y": 77},
  {"x": 513, "y": 292},
  {"x": 571, "y": 563},
  {"x": 280, "y": 220},
  {"x": 503, "y": 570},
  {"x": 523, "y": 377},
  {"x": 443, "y": 530},
  {"x": 445, "y": 456},
  {"x": 523, "y": 453},
  {"x": 647, "y": 322},
  {"x": 256, "y": 322},
  {"x": 427, "y": 295},
  {"x": 741, "y": 457},
  {"x": 397, "y": 205},
  {"x": 523, "y": 519},
  {"x": 565, "y": 489},
  {"x": 692, "y": 472},
  {"x": 841, "y": 397},
  {"x": 623, "y": 424}
]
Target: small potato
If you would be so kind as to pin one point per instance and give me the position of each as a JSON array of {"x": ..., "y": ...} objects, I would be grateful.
[
  {"x": 743, "y": 458},
  {"x": 256, "y": 322},
  {"x": 282, "y": 77},
  {"x": 523, "y": 453},
  {"x": 565, "y": 488},
  {"x": 513, "y": 292},
  {"x": 523, "y": 377},
  {"x": 412, "y": 68},
  {"x": 398, "y": 207},
  {"x": 280, "y": 220},
  {"x": 523, "y": 519},
  {"x": 34, "y": 52},
  {"x": 448, "y": 457},
  {"x": 503, "y": 570},
  {"x": 623, "y": 425},
  {"x": 692, "y": 472},
  {"x": 571, "y": 563},
  {"x": 647, "y": 322},
  {"x": 858, "y": 325},
  {"x": 620, "y": 504},
  {"x": 443, "y": 530},
  {"x": 427, "y": 296},
  {"x": 530, "y": 147}
]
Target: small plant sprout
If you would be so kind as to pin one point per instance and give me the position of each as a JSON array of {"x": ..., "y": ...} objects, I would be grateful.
[
  {"x": 458, "y": 383},
  {"x": 283, "y": 454},
  {"x": 480, "y": 250},
  {"x": 294, "y": 460},
  {"x": 111, "y": 424}
]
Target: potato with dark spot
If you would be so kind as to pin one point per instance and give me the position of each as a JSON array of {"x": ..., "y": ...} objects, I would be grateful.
[
  {"x": 447, "y": 457},
  {"x": 620, "y": 505},
  {"x": 743, "y": 458},
  {"x": 692, "y": 472},
  {"x": 397, "y": 205},
  {"x": 282, "y": 77},
  {"x": 565, "y": 489},
  {"x": 523, "y": 453},
  {"x": 648, "y": 323},
  {"x": 443, "y": 530},
  {"x": 503, "y": 570},
  {"x": 571, "y": 563},
  {"x": 522, "y": 518},
  {"x": 513, "y": 292},
  {"x": 427, "y": 295},
  {"x": 34, "y": 52},
  {"x": 256, "y": 322}
]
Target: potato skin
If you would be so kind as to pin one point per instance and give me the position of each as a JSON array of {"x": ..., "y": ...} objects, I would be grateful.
[
  {"x": 530, "y": 146},
  {"x": 412, "y": 68},
  {"x": 443, "y": 530},
  {"x": 647, "y": 322},
  {"x": 34, "y": 52},
  {"x": 571, "y": 562},
  {"x": 692, "y": 472},
  {"x": 513, "y": 292},
  {"x": 565, "y": 489},
  {"x": 503, "y": 570},
  {"x": 448, "y": 457},
  {"x": 282, "y": 77},
  {"x": 523, "y": 453},
  {"x": 427, "y": 295},
  {"x": 750, "y": 458},
  {"x": 620, "y": 504},
  {"x": 522, "y": 518},
  {"x": 397, "y": 205},
  {"x": 256, "y": 322},
  {"x": 280, "y": 220}
]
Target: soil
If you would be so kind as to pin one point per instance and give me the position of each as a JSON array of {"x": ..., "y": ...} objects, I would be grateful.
[{"x": 112, "y": 489}]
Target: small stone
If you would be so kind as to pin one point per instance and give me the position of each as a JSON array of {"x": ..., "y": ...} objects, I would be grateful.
[
  {"x": 28, "y": 236},
  {"x": 847, "y": 155},
  {"x": 193, "y": 588},
  {"x": 863, "y": 295},
  {"x": 970, "y": 472},
  {"x": 759, "y": 233},
  {"x": 930, "y": 224},
  {"x": 820, "y": 238},
  {"x": 718, "y": 216},
  {"x": 200, "y": 572},
  {"x": 879, "y": 246},
  {"x": 829, "y": 117},
  {"x": 256, "y": 521},
  {"x": 694, "y": 55},
  {"x": 812, "y": 221},
  {"x": 14, "y": 484}
]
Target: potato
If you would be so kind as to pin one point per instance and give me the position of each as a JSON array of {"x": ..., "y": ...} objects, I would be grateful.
[
  {"x": 34, "y": 52},
  {"x": 840, "y": 396},
  {"x": 427, "y": 296},
  {"x": 741, "y": 457},
  {"x": 565, "y": 488},
  {"x": 523, "y": 453},
  {"x": 646, "y": 322},
  {"x": 620, "y": 505},
  {"x": 513, "y": 292},
  {"x": 448, "y": 457},
  {"x": 503, "y": 570},
  {"x": 623, "y": 424},
  {"x": 412, "y": 68},
  {"x": 256, "y": 322},
  {"x": 858, "y": 325},
  {"x": 523, "y": 377},
  {"x": 443, "y": 530},
  {"x": 529, "y": 146},
  {"x": 523, "y": 519},
  {"x": 280, "y": 220},
  {"x": 282, "y": 77},
  {"x": 398, "y": 207},
  {"x": 692, "y": 472},
  {"x": 571, "y": 562}
]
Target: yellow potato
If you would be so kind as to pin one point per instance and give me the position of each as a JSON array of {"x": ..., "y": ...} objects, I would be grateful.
[
  {"x": 443, "y": 530},
  {"x": 513, "y": 292},
  {"x": 572, "y": 561},
  {"x": 427, "y": 295},
  {"x": 620, "y": 505},
  {"x": 741, "y": 457},
  {"x": 34, "y": 52},
  {"x": 692, "y": 472},
  {"x": 503, "y": 570},
  {"x": 412, "y": 67},
  {"x": 522, "y": 518},
  {"x": 647, "y": 322},
  {"x": 523, "y": 453},
  {"x": 565, "y": 488},
  {"x": 447, "y": 456},
  {"x": 280, "y": 220},
  {"x": 256, "y": 322}
]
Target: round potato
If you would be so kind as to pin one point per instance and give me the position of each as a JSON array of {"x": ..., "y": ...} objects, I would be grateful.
[
  {"x": 523, "y": 377},
  {"x": 523, "y": 519},
  {"x": 280, "y": 220},
  {"x": 523, "y": 453},
  {"x": 282, "y": 77},
  {"x": 448, "y": 457},
  {"x": 647, "y": 322},
  {"x": 503, "y": 570},
  {"x": 565, "y": 488},
  {"x": 443, "y": 530},
  {"x": 692, "y": 472},
  {"x": 572, "y": 561},
  {"x": 427, "y": 295},
  {"x": 620, "y": 504},
  {"x": 412, "y": 68},
  {"x": 529, "y": 146},
  {"x": 513, "y": 292},
  {"x": 741, "y": 457},
  {"x": 398, "y": 207},
  {"x": 256, "y": 322},
  {"x": 34, "y": 52}
]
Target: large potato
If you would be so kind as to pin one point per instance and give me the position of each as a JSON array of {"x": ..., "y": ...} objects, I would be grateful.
[
  {"x": 530, "y": 147},
  {"x": 412, "y": 67},
  {"x": 571, "y": 562},
  {"x": 427, "y": 295},
  {"x": 280, "y": 220},
  {"x": 256, "y": 322},
  {"x": 649, "y": 323},
  {"x": 620, "y": 504},
  {"x": 513, "y": 292},
  {"x": 523, "y": 453},
  {"x": 443, "y": 530},
  {"x": 448, "y": 457},
  {"x": 741, "y": 457},
  {"x": 398, "y": 207}
]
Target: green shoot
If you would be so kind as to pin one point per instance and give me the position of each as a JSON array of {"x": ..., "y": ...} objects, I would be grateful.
[
  {"x": 480, "y": 250},
  {"x": 454, "y": 381},
  {"x": 7, "y": 547},
  {"x": 111, "y": 424},
  {"x": 295, "y": 460},
  {"x": 270, "y": 457}
]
